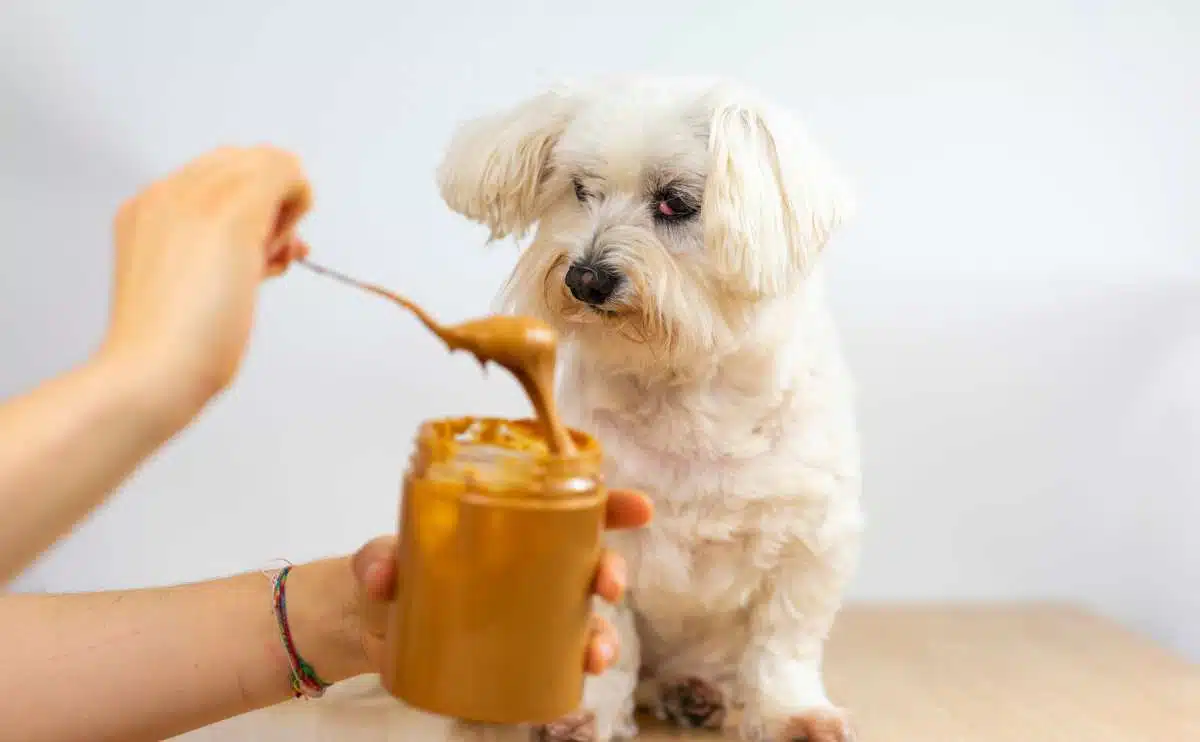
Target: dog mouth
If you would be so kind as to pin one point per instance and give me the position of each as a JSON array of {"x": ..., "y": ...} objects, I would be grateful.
[{"x": 586, "y": 314}]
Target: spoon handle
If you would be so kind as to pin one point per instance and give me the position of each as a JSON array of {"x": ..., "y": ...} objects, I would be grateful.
[{"x": 377, "y": 290}]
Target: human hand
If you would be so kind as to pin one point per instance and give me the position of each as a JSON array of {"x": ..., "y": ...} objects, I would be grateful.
[
  {"x": 374, "y": 568},
  {"x": 191, "y": 251}
]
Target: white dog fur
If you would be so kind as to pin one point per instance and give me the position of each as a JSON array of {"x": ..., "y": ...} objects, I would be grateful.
[{"x": 710, "y": 370}]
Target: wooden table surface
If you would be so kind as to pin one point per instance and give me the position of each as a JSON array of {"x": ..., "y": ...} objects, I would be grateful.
[{"x": 910, "y": 674}]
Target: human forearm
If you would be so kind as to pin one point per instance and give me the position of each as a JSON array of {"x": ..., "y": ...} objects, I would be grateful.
[
  {"x": 151, "y": 664},
  {"x": 70, "y": 442},
  {"x": 190, "y": 253}
]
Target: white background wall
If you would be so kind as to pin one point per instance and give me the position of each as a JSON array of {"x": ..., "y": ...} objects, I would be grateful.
[{"x": 1020, "y": 295}]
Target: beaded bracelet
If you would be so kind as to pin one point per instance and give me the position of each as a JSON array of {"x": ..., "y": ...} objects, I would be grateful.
[{"x": 305, "y": 681}]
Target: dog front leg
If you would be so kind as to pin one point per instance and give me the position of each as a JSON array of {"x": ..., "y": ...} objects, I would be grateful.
[{"x": 780, "y": 671}]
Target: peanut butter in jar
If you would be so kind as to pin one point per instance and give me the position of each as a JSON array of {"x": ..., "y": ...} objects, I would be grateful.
[{"x": 500, "y": 538}]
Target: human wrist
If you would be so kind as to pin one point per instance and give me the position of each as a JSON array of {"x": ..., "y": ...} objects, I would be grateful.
[
  {"x": 152, "y": 389},
  {"x": 322, "y": 617}
]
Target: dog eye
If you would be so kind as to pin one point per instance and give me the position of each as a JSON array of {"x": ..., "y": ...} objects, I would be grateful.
[
  {"x": 672, "y": 206},
  {"x": 580, "y": 192}
]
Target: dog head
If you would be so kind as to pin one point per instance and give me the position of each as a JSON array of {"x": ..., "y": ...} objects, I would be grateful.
[{"x": 667, "y": 212}]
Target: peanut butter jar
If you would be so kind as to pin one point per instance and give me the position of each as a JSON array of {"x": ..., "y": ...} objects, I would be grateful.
[{"x": 499, "y": 544}]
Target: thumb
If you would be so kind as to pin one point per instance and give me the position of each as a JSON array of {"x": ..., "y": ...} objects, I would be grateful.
[
  {"x": 283, "y": 253},
  {"x": 374, "y": 567}
]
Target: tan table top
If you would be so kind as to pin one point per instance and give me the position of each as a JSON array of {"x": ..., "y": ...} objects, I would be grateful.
[{"x": 920, "y": 673}]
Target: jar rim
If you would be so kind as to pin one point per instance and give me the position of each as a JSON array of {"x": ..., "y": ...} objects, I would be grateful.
[
  {"x": 518, "y": 446},
  {"x": 502, "y": 432}
]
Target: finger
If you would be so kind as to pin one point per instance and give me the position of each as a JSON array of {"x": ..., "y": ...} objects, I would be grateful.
[
  {"x": 374, "y": 567},
  {"x": 195, "y": 177},
  {"x": 628, "y": 509},
  {"x": 200, "y": 169},
  {"x": 610, "y": 577},
  {"x": 263, "y": 187},
  {"x": 281, "y": 178},
  {"x": 279, "y": 256},
  {"x": 603, "y": 647},
  {"x": 276, "y": 182},
  {"x": 286, "y": 252},
  {"x": 294, "y": 200},
  {"x": 264, "y": 167}
]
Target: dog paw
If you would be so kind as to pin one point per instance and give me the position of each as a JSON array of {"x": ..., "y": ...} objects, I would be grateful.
[
  {"x": 692, "y": 704},
  {"x": 818, "y": 725},
  {"x": 577, "y": 727}
]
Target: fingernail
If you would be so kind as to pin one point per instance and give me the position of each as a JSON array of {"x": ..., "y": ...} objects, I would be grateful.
[{"x": 606, "y": 652}]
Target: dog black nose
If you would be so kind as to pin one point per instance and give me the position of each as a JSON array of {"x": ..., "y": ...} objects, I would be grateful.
[{"x": 592, "y": 284}]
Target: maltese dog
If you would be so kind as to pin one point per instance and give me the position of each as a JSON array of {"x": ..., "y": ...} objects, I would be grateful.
[{"x": 678, "y": 228}]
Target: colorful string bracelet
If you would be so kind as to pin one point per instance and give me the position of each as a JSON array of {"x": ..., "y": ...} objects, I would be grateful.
[{"x": 305, "y": 681}]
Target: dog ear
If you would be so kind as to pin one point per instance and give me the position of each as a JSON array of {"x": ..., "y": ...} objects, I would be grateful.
[
  {"x": 771, "y": 201},
  {"x": 495, "y": 167}
]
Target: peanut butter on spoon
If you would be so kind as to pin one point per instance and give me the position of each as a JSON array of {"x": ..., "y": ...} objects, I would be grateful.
[{"x": 525, "y": 346}]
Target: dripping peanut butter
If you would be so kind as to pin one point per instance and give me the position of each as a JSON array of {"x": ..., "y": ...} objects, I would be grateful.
[
  {"x": 500, "y": 530},
  {"x": 525, "y": 346}
]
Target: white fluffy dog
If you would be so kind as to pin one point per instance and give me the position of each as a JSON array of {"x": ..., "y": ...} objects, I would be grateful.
[{"x": 679, "y": 225}]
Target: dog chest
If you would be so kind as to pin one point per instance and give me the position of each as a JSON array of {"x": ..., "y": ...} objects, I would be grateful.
[{"x": 675, "y": 570}]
